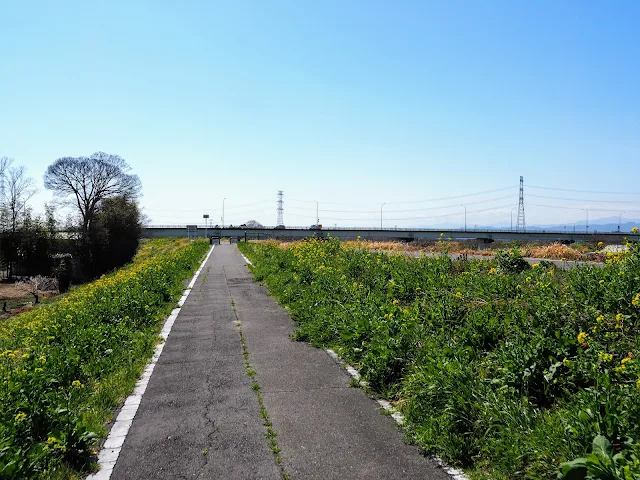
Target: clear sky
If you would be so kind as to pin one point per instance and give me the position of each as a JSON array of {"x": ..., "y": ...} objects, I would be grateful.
[{"x": 350, "y": 103}]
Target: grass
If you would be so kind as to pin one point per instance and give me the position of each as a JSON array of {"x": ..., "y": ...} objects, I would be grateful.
[
  {"x": 505, "y": 370},
  {"x": 64, "y": 366}
]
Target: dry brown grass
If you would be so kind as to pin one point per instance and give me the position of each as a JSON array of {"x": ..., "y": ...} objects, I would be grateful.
[{"x": 552, "y": 251}]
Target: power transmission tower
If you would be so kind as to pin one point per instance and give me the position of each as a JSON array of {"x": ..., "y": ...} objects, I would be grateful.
[
  {"x": 521, "y": 223},
  {"x": 280, "y": 209}
]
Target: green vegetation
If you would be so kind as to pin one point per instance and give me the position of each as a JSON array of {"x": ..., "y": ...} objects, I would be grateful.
[
  {"x": 64, "y": 366},
  {"x": 504, "y": 371}
]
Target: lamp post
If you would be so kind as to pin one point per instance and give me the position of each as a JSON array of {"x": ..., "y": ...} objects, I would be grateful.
[
  {"x": 381, "y": 215},
  {"x": 317, "y": 215},
  {"x": 465, "y": 217},
  {"x": 206, "y": 224},
  {"x": 587, "y": 229},
  {"x": 223, "y": 211}
]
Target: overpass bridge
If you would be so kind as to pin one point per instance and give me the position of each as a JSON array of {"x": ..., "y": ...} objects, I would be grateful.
[{"x": 483, "y": 236}]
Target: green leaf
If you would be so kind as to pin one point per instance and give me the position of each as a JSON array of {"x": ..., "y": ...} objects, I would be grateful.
[
  {"x": 574, "y": 470},
  {"x": 601, "y": 446}
]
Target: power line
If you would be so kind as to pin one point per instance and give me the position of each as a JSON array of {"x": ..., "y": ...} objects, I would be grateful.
[
  {"x": 583, "y": 209},
  {"x": 580, "y": 199},
  {"x": 442, "y": 207},
  {"x": 584, "y": 191}
]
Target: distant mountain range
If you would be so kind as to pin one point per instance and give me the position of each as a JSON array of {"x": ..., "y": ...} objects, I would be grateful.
[{"x": 609, "y": 224}]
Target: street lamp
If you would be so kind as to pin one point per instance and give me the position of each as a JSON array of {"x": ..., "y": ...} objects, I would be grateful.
[
  {"x": 465, "y": 217},
  {"x": 206, "y": 224},
  {"x": 317, "y": 215},
  {"x": 223, "y": 211},
  {"x": 587, "y": 229},
  {"x": 381, "y": 215}
]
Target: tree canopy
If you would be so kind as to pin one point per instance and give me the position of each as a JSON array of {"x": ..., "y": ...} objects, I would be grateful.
[{"x": 85, "y": 181}]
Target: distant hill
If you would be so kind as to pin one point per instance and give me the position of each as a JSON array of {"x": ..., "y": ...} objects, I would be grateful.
[{"x": 609, "y": 224}]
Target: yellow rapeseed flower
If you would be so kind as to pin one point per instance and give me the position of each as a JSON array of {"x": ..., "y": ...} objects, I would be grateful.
[
  {"x": 528, "y": 279},
  {"x": 20, "y": 416},
  {"x": 601, "y": 282},
  {"x": 43, "y": 360},
  {"x": 605, "y": 357},
  {"x": 582, "y": 338},
  {"x": 77, "y": 384},
  {"x": 600, "y": 319},
  {"x": 625, "y": 360},
  {"x": 535, "y": 265},
  {"x": 634, "y": 230},
  {"x": 636, "y": 300}
]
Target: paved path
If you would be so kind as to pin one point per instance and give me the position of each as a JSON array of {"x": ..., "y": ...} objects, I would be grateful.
[{"x": 199, "y": 417}]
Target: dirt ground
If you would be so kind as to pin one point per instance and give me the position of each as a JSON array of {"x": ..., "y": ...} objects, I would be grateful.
[{"x": 18, "y": 299}]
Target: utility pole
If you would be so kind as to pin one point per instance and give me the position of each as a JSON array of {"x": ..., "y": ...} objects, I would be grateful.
[
  {"x": 521, "y": 223},
  {"x": 465, "y": 217},
  {"x": 206, "y": 224},
  {"x": 381, "y": 215},
  {"x": 317, "y": 215}
]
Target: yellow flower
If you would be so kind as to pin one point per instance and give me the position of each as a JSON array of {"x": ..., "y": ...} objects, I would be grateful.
[
  {"x": 566, "y": 362},
  {"x": 638, "y": 383},
  {"x": 619, "y": 317},
  {"x": 458, "y": 294},
  {"x": 20, "y": 416},
  {"x": 625, "y": 360},
  {"x": 601, "y": 282},
  {"x": 77, "y": 384},
  {"x": 634, "y": 230},
  {"x": 636, "y": 300},
  {"x": 396, "y": 302},
  {"x": 600, "y": 244},
  {"x": 600, "y": 319},
  {"x": 535, "y": 265},
  {"x": 528, "y": 279},
  {"x": 12, "y": 355},
  {"x": 492, "y": 271},
  {"x": 605, "y": 357},
  {"x": 582, "y": 338},
  {"x": 43, "y": 360},
  {"x": 25, "y": 355},
  {"x": 38, "y": 369}
]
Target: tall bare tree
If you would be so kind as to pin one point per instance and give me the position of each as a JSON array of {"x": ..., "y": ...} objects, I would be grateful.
[
  {"x": 85, "y": 181},
  {"x": 18, "y": 191}
]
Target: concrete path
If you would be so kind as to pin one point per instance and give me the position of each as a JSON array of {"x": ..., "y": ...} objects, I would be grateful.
[{"x": 200, "y": 418}]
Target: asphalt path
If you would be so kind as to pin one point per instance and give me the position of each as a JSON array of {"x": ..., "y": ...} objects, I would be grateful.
[{"x": 199, "y": 417}]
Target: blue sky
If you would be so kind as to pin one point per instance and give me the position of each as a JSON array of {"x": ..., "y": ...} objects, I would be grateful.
[{"x": 351, "y": 104}]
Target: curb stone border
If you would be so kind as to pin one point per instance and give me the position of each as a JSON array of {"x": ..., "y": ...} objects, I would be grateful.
[
  {"x": 397, "y": 416},
  {"x": 112, "y": 446}
]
